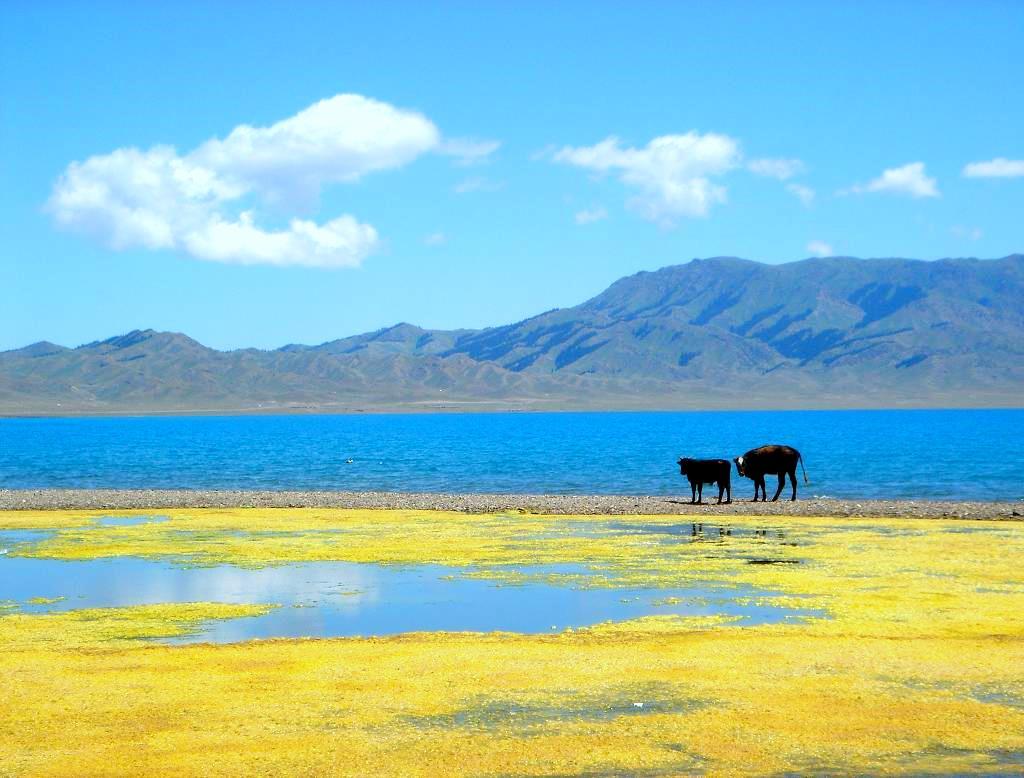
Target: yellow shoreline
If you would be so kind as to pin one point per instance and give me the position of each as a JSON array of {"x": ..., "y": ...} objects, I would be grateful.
[{"x": 919, "y": 666}]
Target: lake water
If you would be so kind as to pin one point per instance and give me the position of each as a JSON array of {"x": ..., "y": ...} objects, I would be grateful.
[
  {"x": 927, "y": 454},
  {"x": 331, "y": 599}
]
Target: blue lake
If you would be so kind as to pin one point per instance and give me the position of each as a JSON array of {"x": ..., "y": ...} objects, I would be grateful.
[{"x": 928, "y": 454}]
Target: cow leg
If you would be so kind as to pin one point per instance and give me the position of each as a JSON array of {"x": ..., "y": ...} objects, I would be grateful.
[
  {"x": 728, "y": 493},
  {"x": 792, "y": 480},
  {"x": 700, "y": 492},
  {"x": 757, "y": 485},
  {"x": 721, "y": 490},
  {"x": 693, "y": 492},
  {"x": 782, "y": 482}
]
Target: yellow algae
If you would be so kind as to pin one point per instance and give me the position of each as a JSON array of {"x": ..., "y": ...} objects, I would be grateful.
[
  {"x": 857, "y": 567},
  {"x": 912, "y": 664},
  {"x": 724, "y": 700},
  {"x": 29, "y": 520},
  {"x": 45, "y": 600},
  {"x": 103, "y": 626}
]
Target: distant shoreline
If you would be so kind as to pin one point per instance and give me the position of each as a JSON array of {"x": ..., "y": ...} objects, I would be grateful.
[
  {"x": 636, "y": 505},
  {"x": 476, "y": 407}
]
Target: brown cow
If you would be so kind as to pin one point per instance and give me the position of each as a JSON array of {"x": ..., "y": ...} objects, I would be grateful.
[{"x": 780, "y": 460}]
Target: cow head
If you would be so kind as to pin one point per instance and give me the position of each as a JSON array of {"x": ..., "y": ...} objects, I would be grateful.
[
  {"x": 683, "y": 462},
  {"x": 740, "y": 466}
]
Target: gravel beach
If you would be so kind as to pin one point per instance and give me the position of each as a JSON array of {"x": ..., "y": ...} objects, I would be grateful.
[{"x": 118, "y": 499}]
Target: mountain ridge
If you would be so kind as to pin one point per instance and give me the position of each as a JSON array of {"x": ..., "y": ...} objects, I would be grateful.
[{"x": 716, "y": 332}]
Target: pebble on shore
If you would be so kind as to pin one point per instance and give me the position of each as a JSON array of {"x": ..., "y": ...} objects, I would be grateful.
[{"x": 569, "y": 504}]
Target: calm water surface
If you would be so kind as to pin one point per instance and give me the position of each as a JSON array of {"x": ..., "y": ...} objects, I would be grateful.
[
  {"x": 330, "y": 599},
  {"x": 952, "y": 454}
]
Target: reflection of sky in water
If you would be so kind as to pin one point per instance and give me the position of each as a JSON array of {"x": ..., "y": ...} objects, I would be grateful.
[
  {"x": 128, "y": 521},
  {"x": 323, "y": 599},
  {"x": 9, "y": 538}
]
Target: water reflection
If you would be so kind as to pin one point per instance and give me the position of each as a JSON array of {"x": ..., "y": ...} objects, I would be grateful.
[
  {"x": 720, "y": 534},
  {"x": 11, "y": 539},
  {"x": 128, "y": 521},
  {"x": 324, "y": 599}
]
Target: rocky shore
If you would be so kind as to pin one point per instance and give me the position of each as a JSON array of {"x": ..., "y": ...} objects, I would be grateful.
[{"x": 118, "y": 499}]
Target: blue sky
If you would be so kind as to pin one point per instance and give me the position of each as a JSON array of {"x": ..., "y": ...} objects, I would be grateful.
[{"x": 255, "y": 174}]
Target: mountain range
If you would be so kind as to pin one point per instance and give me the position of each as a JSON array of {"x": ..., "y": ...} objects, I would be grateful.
[{"x": 711, "y": 333}]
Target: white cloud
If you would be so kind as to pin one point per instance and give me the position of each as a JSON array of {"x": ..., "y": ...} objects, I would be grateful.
[
  {"x": 591, "y": 215},
  {"x": 341, "y": 242},
  {"x": 820, "y": 248},
  {"x": 803, "y": 193},
  {"x": 781, "y": 169},
  {"x": 970, "y": 233},
  {"x": 198, "y": 202},
  {"x": 909, "y": 179},
  {"x": 1000, "y": 167},
  {"x": 435, "y": 239},
  {"x": 477, "y": 184},
  {"x": 543, "y": 154},
  {"x": 137, "y": 198},
  {"x": 340, "y": 139},
  {"x": 469, "y": 151},
  {"x": 671, "y": 174}
]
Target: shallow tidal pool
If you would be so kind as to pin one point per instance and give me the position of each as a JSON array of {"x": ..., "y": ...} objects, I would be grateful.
[{"x": 331, "y": 641}]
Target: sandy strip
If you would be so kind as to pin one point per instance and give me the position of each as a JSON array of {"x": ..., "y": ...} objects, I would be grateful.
[{"x": 45, "y": 499}]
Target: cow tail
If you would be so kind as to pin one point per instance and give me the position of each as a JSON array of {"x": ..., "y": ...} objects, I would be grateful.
[{"x": 801, "y": 458}]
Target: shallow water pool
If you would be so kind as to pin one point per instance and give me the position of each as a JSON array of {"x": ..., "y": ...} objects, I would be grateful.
[{"x": 332, "y": 599}]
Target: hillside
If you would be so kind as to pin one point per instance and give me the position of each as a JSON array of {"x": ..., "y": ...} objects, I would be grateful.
[{"x": 722, "y": 332}]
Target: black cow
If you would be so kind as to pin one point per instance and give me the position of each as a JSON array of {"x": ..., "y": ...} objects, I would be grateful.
[
  {"x": 707, "y": 471},
  {"x": 780, "y": 460}
]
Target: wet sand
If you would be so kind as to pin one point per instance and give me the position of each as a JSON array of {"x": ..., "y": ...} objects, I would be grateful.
[{"x": 116, "y": 499}]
